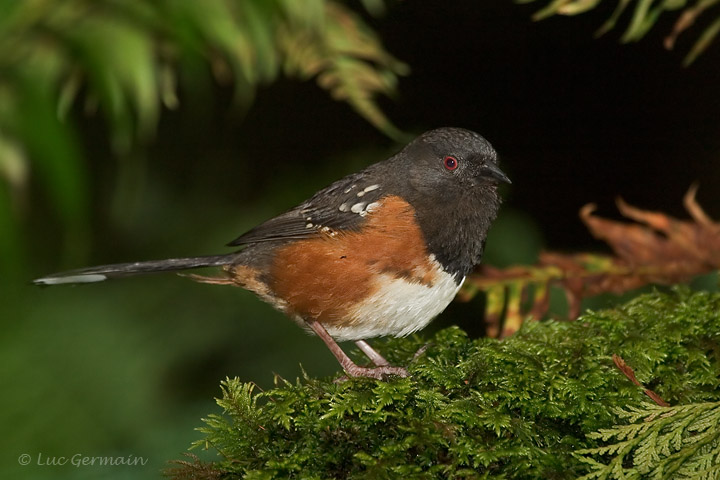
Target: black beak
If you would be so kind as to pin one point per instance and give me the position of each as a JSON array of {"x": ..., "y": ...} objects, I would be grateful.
[{"x": 493, "y": 171}]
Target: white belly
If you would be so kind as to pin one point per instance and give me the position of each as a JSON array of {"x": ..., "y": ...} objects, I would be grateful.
[{"x": 398, "y": 309}]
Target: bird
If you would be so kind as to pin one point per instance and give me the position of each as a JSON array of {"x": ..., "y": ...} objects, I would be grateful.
[{"x": 380, "y": 252}]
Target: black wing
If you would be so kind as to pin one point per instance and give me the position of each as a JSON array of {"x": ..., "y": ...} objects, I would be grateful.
[{"x": 340, "y": 206}]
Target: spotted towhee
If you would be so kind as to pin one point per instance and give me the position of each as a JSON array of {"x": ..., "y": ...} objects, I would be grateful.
[{"x": 379, "y": 252}]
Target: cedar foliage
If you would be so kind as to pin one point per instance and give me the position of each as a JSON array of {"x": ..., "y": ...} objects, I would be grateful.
[
  {"x": 677, "y": 442},
  {"x": 547, "y": 402}
]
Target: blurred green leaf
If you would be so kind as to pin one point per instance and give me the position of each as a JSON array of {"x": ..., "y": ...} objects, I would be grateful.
[
  {"x": 11, "y": 250},
  {"x": 118, "y": 58},
  {"x": 645, "y": 16},
  {"x": 610, "y": 22},
  {"x": 13, "y": 170},
  {"x": 13, "y": 164},
  {"x": 125, "y": 58},
  {"x": 375, "y": 7},
  {"x": 308, "y": 14},
  {"x": 57, "y": 161},
  {"x": 703, "y": 42}
]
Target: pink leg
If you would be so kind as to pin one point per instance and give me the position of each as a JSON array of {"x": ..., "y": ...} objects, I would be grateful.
[
  {"x": 379, "y": 372},
  {"x": 372, "y": 354}
]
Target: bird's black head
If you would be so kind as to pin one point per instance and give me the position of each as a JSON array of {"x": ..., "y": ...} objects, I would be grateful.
[
  {"x": 452, "y": 176},
  {"x": 449, "y": 160}
]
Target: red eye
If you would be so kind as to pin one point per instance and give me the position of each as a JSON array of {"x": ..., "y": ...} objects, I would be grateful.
[{"x": 451, "y": 163}]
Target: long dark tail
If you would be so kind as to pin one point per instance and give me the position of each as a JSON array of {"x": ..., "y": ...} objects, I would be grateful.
[{"x": 105, "y": 272}]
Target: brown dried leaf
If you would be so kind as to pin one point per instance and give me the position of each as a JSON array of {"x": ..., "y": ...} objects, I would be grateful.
[
  {"x": 686, "y": 20},
  {"x": 630, "y": 374},
  {"x": 194, "y": 469},
  {"x": 660, "y": 240},
  {"x": 631, "y": 242},
  {"x": 656, "y": 248}
]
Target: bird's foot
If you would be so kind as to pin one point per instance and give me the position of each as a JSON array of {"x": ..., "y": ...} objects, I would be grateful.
[{"x": 378, "y": 373}]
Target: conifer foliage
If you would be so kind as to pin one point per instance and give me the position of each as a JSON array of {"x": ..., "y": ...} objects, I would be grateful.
[
  {"x": 677, "y": 442},
  {"x": 548, "y": 402}
]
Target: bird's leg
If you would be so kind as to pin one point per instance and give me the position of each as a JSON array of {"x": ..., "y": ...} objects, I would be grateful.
[
  {"x": 372, "y": 354},
  {"x": 379, "y": 372}
]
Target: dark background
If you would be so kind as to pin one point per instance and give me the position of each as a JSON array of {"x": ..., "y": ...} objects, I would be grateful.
[{"x": 130, "y": 367}]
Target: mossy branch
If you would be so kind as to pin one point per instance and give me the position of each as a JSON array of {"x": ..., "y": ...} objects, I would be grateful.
[{"x": 547, "y": 402}]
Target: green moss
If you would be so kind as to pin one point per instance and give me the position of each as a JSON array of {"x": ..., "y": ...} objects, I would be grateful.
[{"x": 517, "y": 408}]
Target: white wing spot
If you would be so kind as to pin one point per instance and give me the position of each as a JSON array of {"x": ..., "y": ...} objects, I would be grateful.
[
  {"x": 358, "y": 208},
  {"x": 372, "y": 207},
  {"x": 309, "y": 225},
  {"x": 368, "y": 189},
  {"x": 344, "y": 207},
  {"x": 328, "y": 231},
  {"x": 347, "y": 190}
]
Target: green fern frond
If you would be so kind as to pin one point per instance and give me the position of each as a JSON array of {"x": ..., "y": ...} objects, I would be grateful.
[{"x": 348, "y": 61}]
